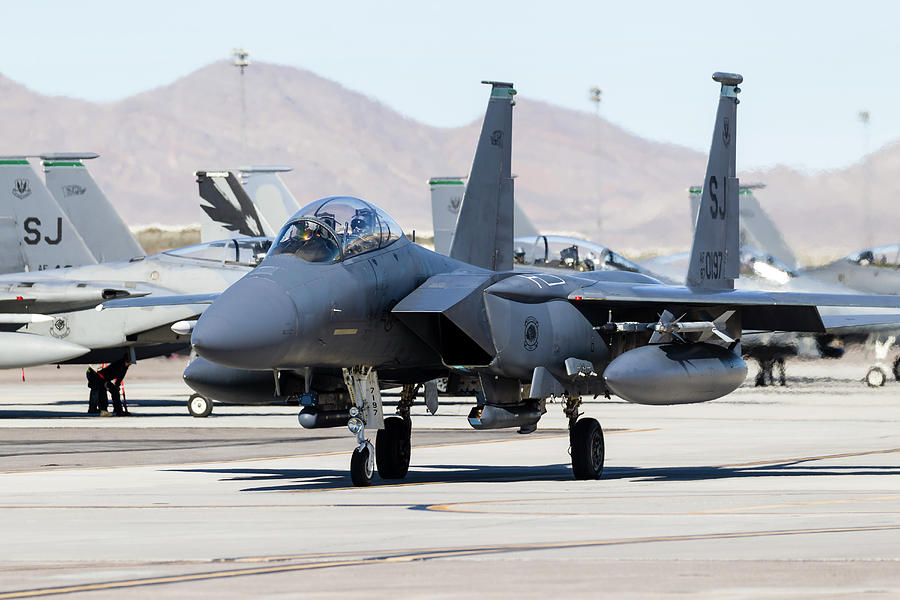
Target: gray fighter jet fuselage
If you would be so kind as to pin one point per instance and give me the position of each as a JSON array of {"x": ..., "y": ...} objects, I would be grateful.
[{"x": 345, "y": 303}]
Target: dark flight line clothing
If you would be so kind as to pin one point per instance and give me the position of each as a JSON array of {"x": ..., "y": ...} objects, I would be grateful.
[{"x": 106, "y": 379}]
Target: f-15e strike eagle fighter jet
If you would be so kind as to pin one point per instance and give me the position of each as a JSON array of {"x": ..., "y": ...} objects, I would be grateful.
[{"x": 346, "y": 304}]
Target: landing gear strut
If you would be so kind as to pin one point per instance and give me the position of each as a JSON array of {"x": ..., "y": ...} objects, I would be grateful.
[
  {"x": 878, "y": 373},
  {"x": 365, "y": 412},
  {"x": 585, "y": 442}
]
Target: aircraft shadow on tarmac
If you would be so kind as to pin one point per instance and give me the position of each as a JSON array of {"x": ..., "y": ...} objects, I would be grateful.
[{"x": 288, "y": 480}]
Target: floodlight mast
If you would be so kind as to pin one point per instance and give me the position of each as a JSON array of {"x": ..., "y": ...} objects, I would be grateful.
[
  {"x": 242, "y": 61},
  {"x": 865, "y": 117},
  {"x": 595, "y": 95}
]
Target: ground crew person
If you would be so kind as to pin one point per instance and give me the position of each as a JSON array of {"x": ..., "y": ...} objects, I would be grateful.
[
  {"x": 98, "y": 397},
  {"x": 113, "y": 374},
  {"x": 107, "y": 379}
]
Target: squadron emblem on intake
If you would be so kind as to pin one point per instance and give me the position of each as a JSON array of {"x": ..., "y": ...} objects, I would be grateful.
[
  {"x": 60, "y": 328},
  {"x": 531, "y": 333}
]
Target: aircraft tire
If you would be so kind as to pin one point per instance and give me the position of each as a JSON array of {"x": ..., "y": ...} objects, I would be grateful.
[
  {"x": 199, "y": 406},
  {"x": 360, "y": 472},
  {"x": 393, "y": 448},
  {"x": 876, "y": 377},
  {"x": 897, "y": 369},
  {"x": 588, "y": 449}
]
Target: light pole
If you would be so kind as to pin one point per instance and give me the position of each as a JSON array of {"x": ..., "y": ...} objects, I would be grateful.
[
  {"x": 596, "y": 96},
  {"x": 241, "y": 61},
  {"x": 864, "y": 118}
]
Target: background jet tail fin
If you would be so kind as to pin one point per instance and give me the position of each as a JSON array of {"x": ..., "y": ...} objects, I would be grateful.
[
  {"x": 273, "y": 200},
  {"x": 229, "y": 207},
  {"x": 446, "y": 200},
  {"x": 715, "y": 254},
  {"x": 484, "y": 228},
  {"x": 35, "y": 228},
  {"x": 758, "y": 229},
  {"x": 90, "y": 211}
]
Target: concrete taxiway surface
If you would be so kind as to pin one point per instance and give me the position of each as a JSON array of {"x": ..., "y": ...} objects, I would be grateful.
[{"x": 769, "y": 492}]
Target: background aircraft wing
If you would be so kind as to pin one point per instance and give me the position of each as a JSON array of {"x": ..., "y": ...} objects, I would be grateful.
[
  {"x": 167, "y": 300},
  {"x": 848, "y": 324},
  {"x": 57, "y": 296}
]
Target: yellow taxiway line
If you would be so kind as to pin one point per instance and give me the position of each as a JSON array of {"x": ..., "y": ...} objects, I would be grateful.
[{"x": 420, "y": 555}]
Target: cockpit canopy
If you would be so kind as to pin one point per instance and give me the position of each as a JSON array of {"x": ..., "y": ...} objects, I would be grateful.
[
  {"x": 561, "y": 252},
  {"x": 756, "y": 263},
  {"x": 335, "y": 228},
  {"x": 240, "y": 251},
  {"x": 880, "y": 256}
]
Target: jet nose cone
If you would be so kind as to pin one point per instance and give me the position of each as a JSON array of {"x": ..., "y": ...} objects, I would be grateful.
[{"x": 250, "y": 326}]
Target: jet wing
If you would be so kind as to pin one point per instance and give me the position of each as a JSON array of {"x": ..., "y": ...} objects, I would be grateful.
[
  {"x": 847, "y": 324},
  {"x": 57, "y": 296},
  {"x": 760, "y": 310},
  {"x": 614, "y": 292},
  {"x": 168, "y": 300}
]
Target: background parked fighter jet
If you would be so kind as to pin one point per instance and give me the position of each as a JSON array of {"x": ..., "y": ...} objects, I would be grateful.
[
  {"x": 48, "y": 316},
  {"x": 346, "y": 303}
]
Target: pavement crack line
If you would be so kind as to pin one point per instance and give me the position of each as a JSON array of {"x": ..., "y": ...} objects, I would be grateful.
[{"x": 416, "y": 555}]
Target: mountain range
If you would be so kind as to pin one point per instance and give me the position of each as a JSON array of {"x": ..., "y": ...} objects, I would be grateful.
[{"x": 576, "y": 172}]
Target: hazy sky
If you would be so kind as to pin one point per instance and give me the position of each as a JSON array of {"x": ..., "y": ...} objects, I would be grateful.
[{"x": 809, "y": 67}]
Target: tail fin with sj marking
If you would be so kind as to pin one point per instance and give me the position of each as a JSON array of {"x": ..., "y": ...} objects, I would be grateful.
[
  {"x": 37, "y": 232},
  {"x": 715, "y": 254},
  {"x": 484, "y": 228},
  {"x": 91, "y": 213}
]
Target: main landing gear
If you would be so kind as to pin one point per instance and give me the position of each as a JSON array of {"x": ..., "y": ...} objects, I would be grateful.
[
  {"x": 199, "y": 406},
  {"x": 393, "y": 444},
  {"x": 878, "y": 373},
  {"x": 585, "y": 442},
  {"x": 392, "y": 449}
]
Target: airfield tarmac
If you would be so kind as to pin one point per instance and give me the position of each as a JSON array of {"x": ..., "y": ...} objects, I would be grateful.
[{"x": 773, "y": 492}]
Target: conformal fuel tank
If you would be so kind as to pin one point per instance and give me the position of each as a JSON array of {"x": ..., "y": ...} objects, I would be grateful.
[{"x": 675, "y": 373}]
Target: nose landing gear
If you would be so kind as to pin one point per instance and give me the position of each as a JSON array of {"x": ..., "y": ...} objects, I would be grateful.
[{"x": 365, "y": 412}]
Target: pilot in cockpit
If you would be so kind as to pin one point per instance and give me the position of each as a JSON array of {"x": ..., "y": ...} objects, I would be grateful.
[
  {"x": 310, "y": 241},
  {"x": 569, "y": 257}
]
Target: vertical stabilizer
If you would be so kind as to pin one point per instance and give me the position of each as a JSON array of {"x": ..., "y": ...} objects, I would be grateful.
[
  {"x": 484, "y": 228},
  {"x": 715, "y": 255},
  {"x": 44, "y": 237},
  {"x": 273, "y": 200},
  {"x": 90, "y": 211},
  {"x": 230, "y": 209}
]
